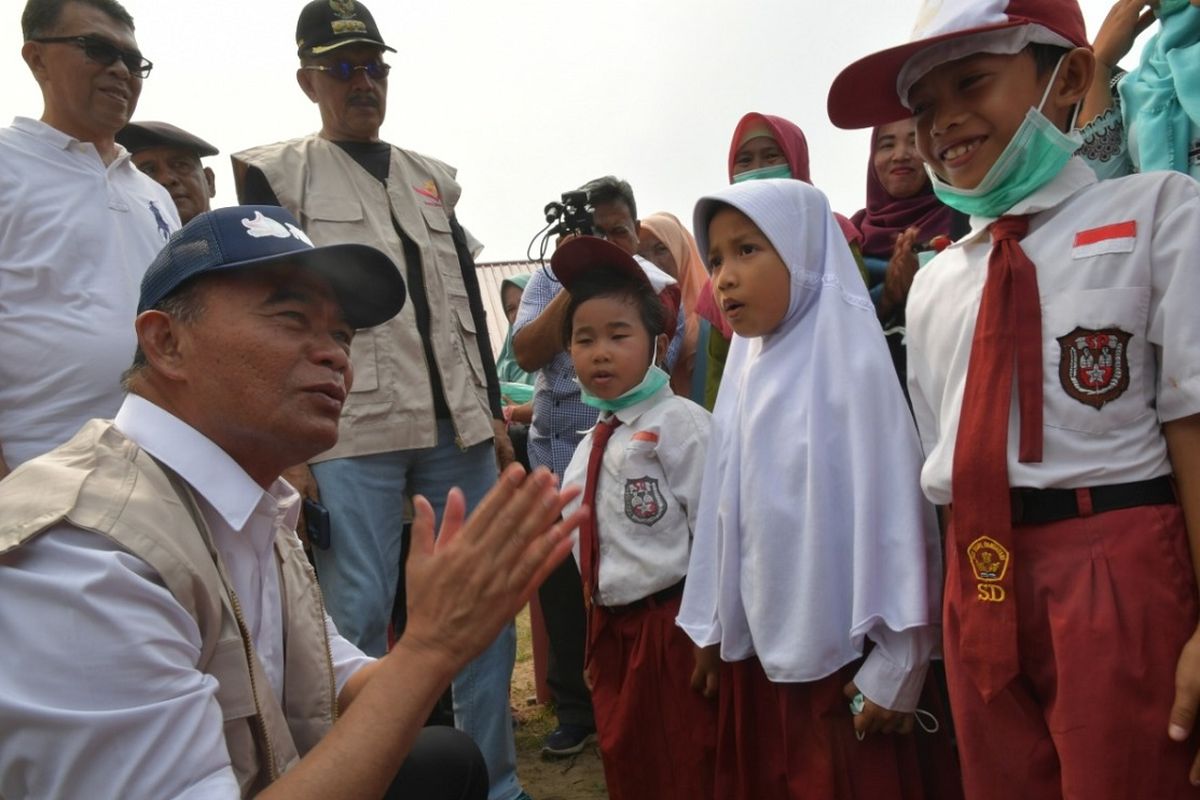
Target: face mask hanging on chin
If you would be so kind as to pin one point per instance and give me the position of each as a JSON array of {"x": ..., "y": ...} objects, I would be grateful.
[
  {"x": 1037, "y": 152},
  {"x": 654, "y": 379}
]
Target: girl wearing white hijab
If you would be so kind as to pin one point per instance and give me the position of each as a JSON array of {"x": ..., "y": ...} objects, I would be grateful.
[{"x": 798, "y": 556}]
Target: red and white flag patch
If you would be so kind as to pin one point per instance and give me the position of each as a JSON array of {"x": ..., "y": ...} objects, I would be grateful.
[{"x": 1118, "y": 237}]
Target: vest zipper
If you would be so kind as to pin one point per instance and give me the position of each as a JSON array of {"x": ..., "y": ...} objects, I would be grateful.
[
  {"x": 333, "y": 706},
  {"x": 272, "y": 770}
]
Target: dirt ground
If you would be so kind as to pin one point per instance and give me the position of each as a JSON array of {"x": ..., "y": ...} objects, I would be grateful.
[{"x": 579, "y": 777}]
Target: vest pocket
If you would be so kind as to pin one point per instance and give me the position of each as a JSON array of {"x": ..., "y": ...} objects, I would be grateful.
[
  {"x": 365, "y": 362},
  {"x": 468, "y": 342}
]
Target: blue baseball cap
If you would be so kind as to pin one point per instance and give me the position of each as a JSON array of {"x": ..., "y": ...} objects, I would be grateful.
[{"x": 365, "y": 281}]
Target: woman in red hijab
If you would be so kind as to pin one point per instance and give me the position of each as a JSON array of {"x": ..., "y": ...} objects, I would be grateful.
[{"x": 763, "y": 146}]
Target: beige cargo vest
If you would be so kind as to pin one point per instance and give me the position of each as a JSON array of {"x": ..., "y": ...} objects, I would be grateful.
[
  {"x": 337, "y": 201},
  {"x": 103, "y": 482}
]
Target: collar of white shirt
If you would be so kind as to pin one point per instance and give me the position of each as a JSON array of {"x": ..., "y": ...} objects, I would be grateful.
[
  {"x": 631, "y": 413},
  {"x": 57, "y": 139},
  {"x": 1074, "y": 176},
  {"x": 208, "y": 469}
]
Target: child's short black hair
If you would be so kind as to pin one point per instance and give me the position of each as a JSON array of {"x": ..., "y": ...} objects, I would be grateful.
[
  {"x": 650, "y": 308},
  {"x": 1046, "y": 56}
]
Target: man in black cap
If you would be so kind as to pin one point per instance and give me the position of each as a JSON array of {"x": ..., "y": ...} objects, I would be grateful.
[
  {"x": 412, "y": 425},
  {"x": 171, "y": 156},
  {"x": 171, "y": 638}
]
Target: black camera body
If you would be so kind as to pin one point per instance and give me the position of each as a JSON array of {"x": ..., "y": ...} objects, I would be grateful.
[{"x": 573, "y": 215}]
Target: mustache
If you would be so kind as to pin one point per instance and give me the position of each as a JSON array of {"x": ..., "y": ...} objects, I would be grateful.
[{"x": 363, "y": 99}]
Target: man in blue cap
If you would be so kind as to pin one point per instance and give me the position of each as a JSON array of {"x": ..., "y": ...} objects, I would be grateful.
[{"x": 172, "y": 640}]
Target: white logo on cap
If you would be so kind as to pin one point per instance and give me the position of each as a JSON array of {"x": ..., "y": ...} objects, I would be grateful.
[
  {"x": 937, "y": 17},
  {"x": 262, "y": 226}
]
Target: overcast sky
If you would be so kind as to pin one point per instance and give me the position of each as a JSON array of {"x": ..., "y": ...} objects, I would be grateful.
[{"x": 528, "y": 98}]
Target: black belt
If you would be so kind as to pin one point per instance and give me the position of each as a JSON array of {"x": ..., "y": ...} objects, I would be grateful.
[
  {"x": 1039, "y": 506},
  {"x": 649, "y": 601}
]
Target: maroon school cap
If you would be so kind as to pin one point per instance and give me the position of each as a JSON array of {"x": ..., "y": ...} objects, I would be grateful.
[
  {"x": 591, "y": 256},
  {"x": 874, "y": 90}
]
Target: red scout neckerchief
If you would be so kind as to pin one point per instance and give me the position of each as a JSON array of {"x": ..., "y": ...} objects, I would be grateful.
[
  {"x": 1008, "y": 331},
  {"x": 589, "y": 542}
]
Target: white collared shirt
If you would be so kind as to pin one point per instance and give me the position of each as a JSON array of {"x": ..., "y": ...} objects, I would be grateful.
[
  {"x": 76, "y": 237},
  {"x": 646, "y": 496},
  {"x": 103, "y": 698},
  {"x": 1116, "y": 265}
]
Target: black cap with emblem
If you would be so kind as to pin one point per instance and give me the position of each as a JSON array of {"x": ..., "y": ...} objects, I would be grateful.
[{"x": 325, "y": 25}]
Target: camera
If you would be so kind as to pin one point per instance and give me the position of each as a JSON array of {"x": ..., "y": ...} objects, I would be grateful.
[{"x": 571, "y": 216}]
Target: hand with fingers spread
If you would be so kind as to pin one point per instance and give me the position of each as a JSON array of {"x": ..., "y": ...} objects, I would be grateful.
[{"x": 478, "y": 573}]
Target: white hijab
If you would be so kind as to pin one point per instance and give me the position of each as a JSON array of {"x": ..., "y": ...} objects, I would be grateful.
[{"x": 812, "y": 529}]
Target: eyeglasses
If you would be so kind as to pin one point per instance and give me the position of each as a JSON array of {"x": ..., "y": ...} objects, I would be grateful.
[
  {"x": 104, "y": 53},
  {"x": 344, "y": 70}
]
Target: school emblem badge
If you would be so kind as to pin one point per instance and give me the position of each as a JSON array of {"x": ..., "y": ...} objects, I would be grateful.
[
  {"x": 1094, "y": 365},
  {"x": 989, "y": 561},
  {"x": 644, "y": 501}
]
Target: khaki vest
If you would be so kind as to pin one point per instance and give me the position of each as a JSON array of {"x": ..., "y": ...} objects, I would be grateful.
[
  {"x": 336, "y": 201},
  {"x": 103, "y": 482}
]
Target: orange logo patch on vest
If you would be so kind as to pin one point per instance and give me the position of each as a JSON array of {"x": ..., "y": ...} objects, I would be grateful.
[{"x": 1094, "y": 365}]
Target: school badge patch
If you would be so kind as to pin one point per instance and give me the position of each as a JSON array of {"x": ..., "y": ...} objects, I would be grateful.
[
  {"x": 644, "y": 502},
  {"x": 1094, "y": 365},
  {"x": 989, "y": 561}
]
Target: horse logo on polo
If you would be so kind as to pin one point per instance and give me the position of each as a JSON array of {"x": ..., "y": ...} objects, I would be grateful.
[
  {"x": 644, "y": 501},
  {"x": 1094, "y": 365}
]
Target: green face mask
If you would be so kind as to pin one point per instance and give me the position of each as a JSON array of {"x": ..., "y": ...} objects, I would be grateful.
[
  {"x": 1037, "y": 152},
  {"x": 764, "y": 173},
  {"x": 654, "y": 380}
]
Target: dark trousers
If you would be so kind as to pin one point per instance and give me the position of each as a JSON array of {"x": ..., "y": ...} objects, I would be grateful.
[
  {"x": 444, "y": 764},
  {"x": 561, "y": 596}
]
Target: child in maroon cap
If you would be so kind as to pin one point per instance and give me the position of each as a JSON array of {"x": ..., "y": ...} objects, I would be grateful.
[{"x": 1054, "y": 370}]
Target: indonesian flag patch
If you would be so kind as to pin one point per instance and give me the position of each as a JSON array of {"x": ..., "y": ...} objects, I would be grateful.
[
  {"x": 1094, "y": 365},
  {"x": 1116, "y": 238}
]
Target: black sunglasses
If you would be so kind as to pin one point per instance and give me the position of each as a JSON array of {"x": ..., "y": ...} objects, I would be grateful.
[
  {"x": 344, "y": 70},
  {"x": 104, "y": 53}
]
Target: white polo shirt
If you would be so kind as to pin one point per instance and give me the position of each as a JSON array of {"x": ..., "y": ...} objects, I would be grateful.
[
  {"x": 76, "y": 237},
  {"x": 647, "y": 495},
  {"x": 1118, "y": 266},
  {"x": 102, "y": 697}
]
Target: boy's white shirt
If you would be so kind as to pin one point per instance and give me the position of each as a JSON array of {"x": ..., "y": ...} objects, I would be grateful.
[
  {"x": 1094, "y": 275},
  {"x": 656, "y": 456}
]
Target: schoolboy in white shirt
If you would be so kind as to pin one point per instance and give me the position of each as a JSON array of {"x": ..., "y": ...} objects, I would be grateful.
[
  {"x": 641, "y": 466},
  {"x": 1071, "y": 606}
]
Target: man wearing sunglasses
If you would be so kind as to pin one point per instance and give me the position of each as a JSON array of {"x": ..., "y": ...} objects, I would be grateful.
[
  {"x": 411, "y": 425},
  {"x": 78, "y": 225}
]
